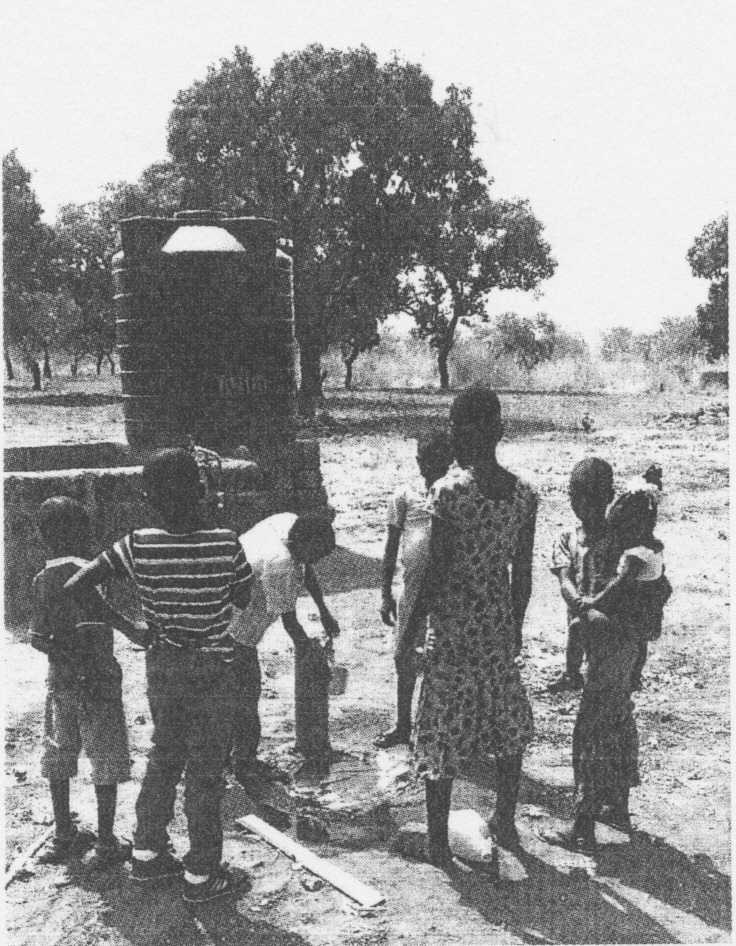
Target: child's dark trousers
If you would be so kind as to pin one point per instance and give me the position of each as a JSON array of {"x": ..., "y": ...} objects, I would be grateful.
[{"x": 193, "y": 698}]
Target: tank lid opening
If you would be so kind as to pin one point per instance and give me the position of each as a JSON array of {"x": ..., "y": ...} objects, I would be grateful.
[{"x": 202, "y": 239}]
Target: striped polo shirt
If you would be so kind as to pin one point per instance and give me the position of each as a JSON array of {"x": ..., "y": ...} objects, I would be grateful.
[{"x": 186, "y": 582}]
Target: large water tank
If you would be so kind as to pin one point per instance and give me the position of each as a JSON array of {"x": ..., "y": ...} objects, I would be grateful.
[{"x": 205, "y": 331}]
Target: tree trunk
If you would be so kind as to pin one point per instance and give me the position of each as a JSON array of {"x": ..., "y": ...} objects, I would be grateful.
[
  {"x": 75, "y": 365},
  {"x": 100, "y": 356},
  {"x": 442, "y": 356},
  {"x": 36, "y": 375},
  {"x": 8, "y": 364},
  {"x": 46, "y": 363},
  {"x": 310, "y": 392},
  {"x": 349, "y": 362}
]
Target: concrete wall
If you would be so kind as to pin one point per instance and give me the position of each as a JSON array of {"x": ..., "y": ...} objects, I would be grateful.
[
  {"x": 714, "y": 379},
  {"x": 113, "y": 499},
  {"x": 66, "y": 456}
]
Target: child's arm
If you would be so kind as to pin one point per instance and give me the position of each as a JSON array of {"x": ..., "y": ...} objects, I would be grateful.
[
  {"x": 332, "y": 628},
  {"x": 612, "y": 597},
  {"x": 521, "y": 575},
  {"x": 94, "y": 573},
  {"x": 293, "y": 628},
  {"x": 390, "y": 557},
  {"x": 568, "y": 590},
  {"x": 42, "y": 639},
  {"x": 243, "y": 581},
  {"x": 440, "y": 557},
  {"x": 99, "y": 608}
]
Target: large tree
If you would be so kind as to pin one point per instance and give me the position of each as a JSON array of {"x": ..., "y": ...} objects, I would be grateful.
[
  {"x": 529, "y": 342},
  {"x": 350, "y": 154},
  {"x": 85, "y": 242},
  {"x": 27, "y": 263},
  {"x": 708, "y": 258},
  {"x": 86, "y": 237},
  {"x": 479, "y": 245},
  {"x": 474, "y": 244}
]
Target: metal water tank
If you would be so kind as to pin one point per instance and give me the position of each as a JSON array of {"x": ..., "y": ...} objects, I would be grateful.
[{"x": 205, "y": 331}]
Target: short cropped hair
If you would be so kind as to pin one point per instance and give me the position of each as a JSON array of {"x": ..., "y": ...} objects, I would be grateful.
[
  {"x": 62, "y": 521},
  {"x": 476, "y": 406},
  {"x": 592, "y": 477},
  {"x": 171, "y": 471},
  {"x": 435, "y": 443},
  {"x": 311, "y": 527}
]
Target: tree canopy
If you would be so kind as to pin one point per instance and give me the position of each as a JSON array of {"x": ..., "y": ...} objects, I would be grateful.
[
  {"x": 351, "y": 154},
  {"x": 478, "y": 245},
  {"x": 27, "y": 269},
  {"x": 708, "y": 258},
  {"x": 528, "y": 341}
]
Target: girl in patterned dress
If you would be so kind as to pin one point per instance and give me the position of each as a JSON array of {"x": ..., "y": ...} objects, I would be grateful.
[{"x": 473, "y": 704}]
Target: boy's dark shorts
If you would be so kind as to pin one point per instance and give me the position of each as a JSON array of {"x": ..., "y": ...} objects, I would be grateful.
[{"x": 97, "y": 727}]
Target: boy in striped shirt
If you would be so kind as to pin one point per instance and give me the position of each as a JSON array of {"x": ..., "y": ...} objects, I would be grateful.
[{"x": 188, "y": 577}]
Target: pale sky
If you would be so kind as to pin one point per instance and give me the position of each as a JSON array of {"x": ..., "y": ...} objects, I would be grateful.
[{"x": 613, "y": 118}]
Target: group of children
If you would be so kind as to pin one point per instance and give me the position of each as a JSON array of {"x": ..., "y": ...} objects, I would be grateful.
[
  {"x": 207, "y": 598},
  {"x": 612, "y": 578},
  {"x": 202, "y": 682}
]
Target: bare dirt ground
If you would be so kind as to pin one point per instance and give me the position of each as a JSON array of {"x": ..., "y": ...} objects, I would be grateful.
[{"x": 669, "y": 883}]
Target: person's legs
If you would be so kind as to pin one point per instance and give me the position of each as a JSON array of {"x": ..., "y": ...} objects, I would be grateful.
[
  {"x": 60, "y": 803},
  {"x": 170, "y": 710},
  {"x": 502, "y": 824},
  {"x": 641, "y": 659},
  {"x": 61, "y": 746},
  {"x": 575, "y": 653},
  {"x": 105, "y": 741},
  {"x": 572, "y": 677},
  {"x": 247, "y": 722},
  {"x": 406, "y": 680},
  {"x": 214, "y": 703},
  {"x": 107, "y": 800},
  {"x": 439, "y": 797}
]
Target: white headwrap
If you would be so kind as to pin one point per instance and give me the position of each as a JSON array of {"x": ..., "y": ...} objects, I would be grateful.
[{"x": 639, "y": 485}]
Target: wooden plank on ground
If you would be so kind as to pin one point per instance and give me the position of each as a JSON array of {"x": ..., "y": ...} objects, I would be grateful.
[
  {"x": 22, "y": 859},
  {"x": 355, "y": 889}
]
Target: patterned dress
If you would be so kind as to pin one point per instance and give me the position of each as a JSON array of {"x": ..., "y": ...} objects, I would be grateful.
[{"x": 473, "y": 702}]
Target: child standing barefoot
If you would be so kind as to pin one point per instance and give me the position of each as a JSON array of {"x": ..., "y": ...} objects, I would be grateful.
[
  {"x": 409, "y": 525},
  {"x": 605, "y": 741},
  {"x": 84, "y": 705}
]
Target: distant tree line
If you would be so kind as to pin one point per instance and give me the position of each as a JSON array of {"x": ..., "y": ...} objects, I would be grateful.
[
  {"x": 703, "y": 334},
  {"x": 376, "y": 182},
  {"x": 374, "y": 179}
]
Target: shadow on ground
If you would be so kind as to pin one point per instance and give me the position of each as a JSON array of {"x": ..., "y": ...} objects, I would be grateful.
[
  {"x": 148, "y": 916},
  {"x": 570, "y": 907}
]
